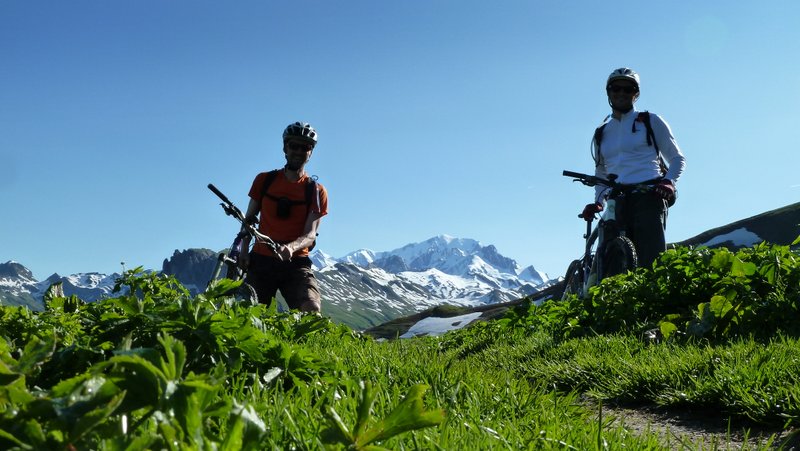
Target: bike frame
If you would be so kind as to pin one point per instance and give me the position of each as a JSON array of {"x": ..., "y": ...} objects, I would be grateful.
[
  {"x": 231, "y": 258},
  {"x": 592, "y": 236},
  {"x": 605, "y": 230}
]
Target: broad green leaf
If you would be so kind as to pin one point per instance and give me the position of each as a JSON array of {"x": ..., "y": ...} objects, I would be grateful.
[
  {"x": 189, "y": 414},
  {"x": 141, "y": 378},
  {"x": 11, "y": 438},
  {"x": 721, "y": 259},
  {"x": 407, "y": 416},
  {"x": 222, "y": 288},
  {"x": 364, "y": 407},
  {"x": 35, "y": 433},
  {"x": 175, "y": 352},
  {"x": 770, "y": 271},
  {"x": 36, "y": 352},
  {"x": 9, "y": 378},
  {"x": 309, "y": 326},
  {"x": 667, "y": 328},
  {"x": 233, "y": 436},
  {"x": 373, "y": 448},
  {"x": 742, "y": 269},
  {"x": 339, "y": 433},
  {"x": 95, "y": 417},
  {"x": 68, "y": 386},
  {"x": 720, "y": 305}
]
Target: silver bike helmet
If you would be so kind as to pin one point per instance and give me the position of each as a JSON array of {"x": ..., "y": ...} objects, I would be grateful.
[
  {"x": 301, "y": 130},
  {"x": 623, "y": 73}
]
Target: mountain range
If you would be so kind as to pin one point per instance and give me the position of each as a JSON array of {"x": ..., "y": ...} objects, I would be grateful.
[
  {"x": 780, "y": 226},
  {"x": 361, "y": 289},
  {"x": 365, "y": 289}
]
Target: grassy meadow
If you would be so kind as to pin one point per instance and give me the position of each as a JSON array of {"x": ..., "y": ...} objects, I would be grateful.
[{"x": 702, "y": 330}]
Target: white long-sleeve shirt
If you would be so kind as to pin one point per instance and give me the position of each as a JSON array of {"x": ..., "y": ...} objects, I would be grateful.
[{"x": 627, "y": 154}]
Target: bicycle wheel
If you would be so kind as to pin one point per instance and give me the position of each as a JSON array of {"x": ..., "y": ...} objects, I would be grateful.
[
  {"x": 246, "y": 293},
  {"x": 573, "y": 279},
  {"x": 619, "y": 256}
]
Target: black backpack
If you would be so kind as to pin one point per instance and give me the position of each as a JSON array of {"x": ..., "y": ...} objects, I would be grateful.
[
  {"x": 285, "y": 204},
  {"x": 311, "y": 190},
  {"x": 644, "y": 117}
]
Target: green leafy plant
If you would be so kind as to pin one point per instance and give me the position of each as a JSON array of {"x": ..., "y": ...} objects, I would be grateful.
[
  {"x": 156, "y": 368},
  {"x": 407, "y": 416}
]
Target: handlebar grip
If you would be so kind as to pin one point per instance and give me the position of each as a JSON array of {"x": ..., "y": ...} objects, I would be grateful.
[
  {"x": 218, "y": 193},
  {"x": 574, "y": 174}
]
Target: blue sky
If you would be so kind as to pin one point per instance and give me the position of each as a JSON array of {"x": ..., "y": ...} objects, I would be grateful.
[{"x": 434, "y": 117}]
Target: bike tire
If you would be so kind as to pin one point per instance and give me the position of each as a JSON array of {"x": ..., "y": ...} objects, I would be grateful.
[
  {"x": 573, "y": 279},
  {"x": 619, "y": 257},
  {"x": 246, "y": 293}
]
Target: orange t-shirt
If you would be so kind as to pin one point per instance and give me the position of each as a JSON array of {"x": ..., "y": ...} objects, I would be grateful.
[{"x": 285, "y": 230}]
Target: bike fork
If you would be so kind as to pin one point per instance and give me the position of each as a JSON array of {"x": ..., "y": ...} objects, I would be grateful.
[{"x": 586, "y": 267}]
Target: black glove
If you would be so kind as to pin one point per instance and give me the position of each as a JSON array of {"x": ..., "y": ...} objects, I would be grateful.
[{"x": 665, "y": 189}]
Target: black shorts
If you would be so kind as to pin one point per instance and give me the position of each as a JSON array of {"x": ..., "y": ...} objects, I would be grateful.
[{"x": 293, "y": 278}]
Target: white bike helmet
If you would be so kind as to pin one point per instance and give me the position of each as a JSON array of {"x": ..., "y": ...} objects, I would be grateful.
[
  {"x": 623, "y": 73},
  {"x": 301, "y": 130}
]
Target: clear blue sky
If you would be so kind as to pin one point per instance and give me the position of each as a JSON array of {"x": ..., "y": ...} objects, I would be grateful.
[{"x": 435, "y": 117}]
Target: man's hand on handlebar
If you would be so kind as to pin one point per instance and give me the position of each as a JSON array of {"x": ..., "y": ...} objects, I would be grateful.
[
  {"x": 665, "y": 189},
  {"x": 590, "y": 210},
  {"x": 283, "y": 252}
]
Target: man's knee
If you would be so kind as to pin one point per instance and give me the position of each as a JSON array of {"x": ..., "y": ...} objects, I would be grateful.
[{"x": 312, "y": 305}]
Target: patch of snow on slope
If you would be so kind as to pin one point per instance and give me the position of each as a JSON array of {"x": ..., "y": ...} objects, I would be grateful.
[
  {"x": 437, "y": 326},
  {"x": 739, "y": 237}
]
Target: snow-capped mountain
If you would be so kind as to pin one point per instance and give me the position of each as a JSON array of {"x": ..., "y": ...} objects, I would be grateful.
[
  {"x": 19, "y": 287},
  {"x": 366, "y": 288},
  {"x": 16, "y": 279},
  {"x": 455, "y": 256},
  {"x": 384, "y": 285},
  {"x": 361, "y": 289}
]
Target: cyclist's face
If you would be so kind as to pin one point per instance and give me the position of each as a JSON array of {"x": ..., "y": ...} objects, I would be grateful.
[
  {"x": 622, "y": 94},
  {"x": 297, "y": 153}
]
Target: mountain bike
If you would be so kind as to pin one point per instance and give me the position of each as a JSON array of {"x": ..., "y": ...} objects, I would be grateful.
[
  {"x": 615, "y": 253},
  {"x": 230, "y": 258}
]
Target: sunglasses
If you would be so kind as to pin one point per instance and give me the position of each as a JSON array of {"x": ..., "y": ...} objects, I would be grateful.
[
  {"x": 295, "y": 146},
  {"x": 625, "y": 89}
]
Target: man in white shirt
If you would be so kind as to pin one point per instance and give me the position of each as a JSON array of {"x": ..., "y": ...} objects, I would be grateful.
[{"x": 638, "y": 147}]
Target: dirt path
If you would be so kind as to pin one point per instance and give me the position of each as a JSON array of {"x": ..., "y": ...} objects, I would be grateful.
[{"x": 701, "y": 430}]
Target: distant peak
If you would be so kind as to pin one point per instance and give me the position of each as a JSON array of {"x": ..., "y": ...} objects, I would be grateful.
[
  {"x": 15, "y": 269},
  {"x": 451, "y": 241}
]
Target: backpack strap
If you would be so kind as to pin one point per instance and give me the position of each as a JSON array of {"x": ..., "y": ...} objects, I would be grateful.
[
  {"x": 643, "y": 117},
  {"x": 268, "y": 179},
  {"x": 311, "y": 192},
  {"x": 596, "y": 140}
]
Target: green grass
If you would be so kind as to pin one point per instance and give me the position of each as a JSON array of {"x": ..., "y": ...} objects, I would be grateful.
[{"x": 159, "y": 369}]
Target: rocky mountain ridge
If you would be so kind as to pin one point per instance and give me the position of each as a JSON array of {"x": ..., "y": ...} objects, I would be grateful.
[
  {"x": 361, "y": 289},
  {"x": 365, "y": 288}
]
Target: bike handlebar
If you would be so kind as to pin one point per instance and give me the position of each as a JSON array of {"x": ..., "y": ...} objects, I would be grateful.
[
  {"x": 591, "y": 180},
  {"x": 233, "y": 210},
  {"x": 219, "y": 193}
]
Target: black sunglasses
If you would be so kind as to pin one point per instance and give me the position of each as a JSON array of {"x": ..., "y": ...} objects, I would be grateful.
[
  {"x": 625, "y": 89},
  {"x": 295, "y": 146}
]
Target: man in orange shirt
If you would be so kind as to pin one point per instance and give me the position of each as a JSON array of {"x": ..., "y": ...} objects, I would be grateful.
[{"x": 289, "y": 205}]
